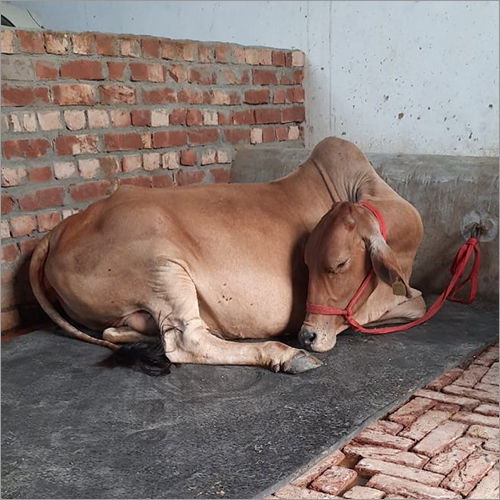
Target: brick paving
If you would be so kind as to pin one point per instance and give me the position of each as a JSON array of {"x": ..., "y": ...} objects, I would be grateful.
[{"x": 442, "y": 443}]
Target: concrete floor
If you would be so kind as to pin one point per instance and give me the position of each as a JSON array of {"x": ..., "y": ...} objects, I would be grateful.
[{"x": 74, "y": 429}]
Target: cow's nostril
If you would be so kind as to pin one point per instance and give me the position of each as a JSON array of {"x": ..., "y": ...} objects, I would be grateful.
[{"x": 306, "y": 337}]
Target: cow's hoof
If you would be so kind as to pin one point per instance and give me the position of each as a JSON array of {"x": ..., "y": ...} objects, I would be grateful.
[{"x": 302, "y": 362}]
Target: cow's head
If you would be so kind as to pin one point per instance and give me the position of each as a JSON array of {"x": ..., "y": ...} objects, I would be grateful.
[{"x": 340, "y": 252}]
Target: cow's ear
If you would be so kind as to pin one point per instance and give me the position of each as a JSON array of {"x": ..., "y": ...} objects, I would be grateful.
[{"x": 386, "y": 266}]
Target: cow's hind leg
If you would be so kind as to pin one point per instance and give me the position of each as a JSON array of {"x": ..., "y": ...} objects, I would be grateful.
[{"x": 187, "y": 340}]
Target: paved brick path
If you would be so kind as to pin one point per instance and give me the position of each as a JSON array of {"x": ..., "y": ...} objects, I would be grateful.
[{"x": 442, "y": 443}]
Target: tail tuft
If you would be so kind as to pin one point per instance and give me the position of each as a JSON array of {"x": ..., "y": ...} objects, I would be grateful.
[{"x": 149, "y": 358}]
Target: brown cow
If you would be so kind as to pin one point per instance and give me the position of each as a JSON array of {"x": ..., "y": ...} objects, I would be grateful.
[{"x": 203, "y": 266}]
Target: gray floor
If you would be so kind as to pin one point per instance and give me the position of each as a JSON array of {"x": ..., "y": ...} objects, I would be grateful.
[{"x": 72, "y": 429}]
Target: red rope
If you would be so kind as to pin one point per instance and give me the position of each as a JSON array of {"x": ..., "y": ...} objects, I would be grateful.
[{"x": 457, "y": 270}]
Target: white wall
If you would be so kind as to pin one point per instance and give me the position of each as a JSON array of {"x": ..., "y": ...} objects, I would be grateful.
[{"x": 394, "y": 77}]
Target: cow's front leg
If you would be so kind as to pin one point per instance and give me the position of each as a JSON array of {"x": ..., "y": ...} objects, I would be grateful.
[
  {"x": 187, "y": 340},
  {"x": 197, "y": 345}
]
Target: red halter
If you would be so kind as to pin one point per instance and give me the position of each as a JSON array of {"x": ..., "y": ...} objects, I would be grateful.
[{"x": 457, "y": 270}]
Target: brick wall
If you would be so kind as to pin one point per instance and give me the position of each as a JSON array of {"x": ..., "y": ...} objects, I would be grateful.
[{"x": 84, "y": 112}]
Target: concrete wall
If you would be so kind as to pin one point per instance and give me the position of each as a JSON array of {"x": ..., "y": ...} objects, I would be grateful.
[{"x": 395, "y": 77}]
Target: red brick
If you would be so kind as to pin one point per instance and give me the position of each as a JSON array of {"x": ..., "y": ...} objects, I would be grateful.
[
  {"x": 73, "y": 94},
  {"x": 445, "y": 379},
  {"x": 117, "y": 94},
  {"x": 483, "y": 432},
  {"x": 439, "y": 438},
  {"x": 382, "y": 439},
  {"x": 162, "y": 181},
  {"x": 194, "y": 118},
  {"x": 487, "y": 487},
  {"x": 184, "y": 178},
  {"x": 465, "y": 478},
  {"x": 355, "y": 450},
  {"x": 264, "y": 77},
  {"x": 268, "y": 134},
  {"x": 295, "y": 493},
  {"x": 83, "y": 43},
  {"x": 205, "y": 53},
  {"x": 238, "y": 54},
  {"x": 56, "y": 43},
  {"x": 188, "y": 157},
  {"x": 219, "y": 97},
  {"x": 362, "y": 492},
  {"x": 467, "y": 403},
  {"x": 281, "y": 133},
  {"x": 492, "y": 376},
  {"x": 22, "y": 225},
  {"x": 267, "y": 115},
  {"x": 225, "y": 118},
  {"x": 120, "y": 118},
  {"x": 151, "y": 161},
  {"x": 203, "y": 136},
  {"x": 141, "y": 117},
  {"x": 294, "y": 95},
  {"x": 279, "y": 96},
  {"x": 221, "y": 53},
  {"x": 7, "y": 43},
  {"x": 129, "y": 47},
  {"x": 122, "y": 142},
  {"x": 192, "y": 96},
  {"x": 6, "y": 204},
  {"x": 82, "y": 70},
  {"x": 48, "y": 221},
  {"x": 19, "y": 96},
  {"x": 105, "y": 45},
  {"x": 334, "y": 480},
  {"x": 385, "y": 426},
  {"x": 10, "y": 253},
  {"x": 159, "y": 96},
  {"x": 260, "y": 96},
  {"x": 488, "y": 357},
  {"x": 278, "y": 58},
  {"x": 488, "y": 396},
  {"x": 89, "y": 191},
  {"x": 245, "y": 117},
  {"x": 140, "y": 72},
  {"x": 445, "y": 462},
  {"x": 31, "y": 41},
  {"x": 298, "y": 77},
  {"x": 293, "y": 114},
  {"x": 45, "y": 70},
  {"x": 471, "y": 376},
  {"x": 236, "y": 76},
  {"x": 26, "y": 148},
  {"x": 8, "y": 276},
  {"x": 175, "y": 50},
  {"x": 202, "y": 75},
  {"x": 137, "y": 181},
  {"x": 177, "y": 116},
  {"x": 177, "y": 72},
  {"x": 235, "y": 135},
  {"x": 41, "y": 174},
  {"x": 370, "y": 467},
  {"x": 425, "y": 424},
  {"x": 487, "y": 409},
  {"x": 411, "y": 411},
  {"x": 491, "y": 445},
  {"x": 116, "y": 70},
  {"x": 69, "y": 145},
  {"x": 407, "y": 488},
  {"x": 475, "y": 418},
  {"x": 42, "y": 198},
  {"x": 169, "y": 139},
  {"x": 150, "y": 48},
  {"x": 220, "y": 174}
]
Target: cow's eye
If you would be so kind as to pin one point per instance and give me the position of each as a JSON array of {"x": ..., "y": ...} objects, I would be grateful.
[{"x": 337, "y": 267}]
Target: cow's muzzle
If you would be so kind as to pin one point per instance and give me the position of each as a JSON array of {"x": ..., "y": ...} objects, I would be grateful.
[{"x": 306, "y": 338}]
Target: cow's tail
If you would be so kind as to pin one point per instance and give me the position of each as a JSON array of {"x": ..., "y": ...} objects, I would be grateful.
[
  {"x": 36, "y": 280},
  {"x": 149, "y": 358}
]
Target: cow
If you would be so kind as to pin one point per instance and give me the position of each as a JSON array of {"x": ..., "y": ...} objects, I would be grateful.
[{"x": 183, "y": 275}]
